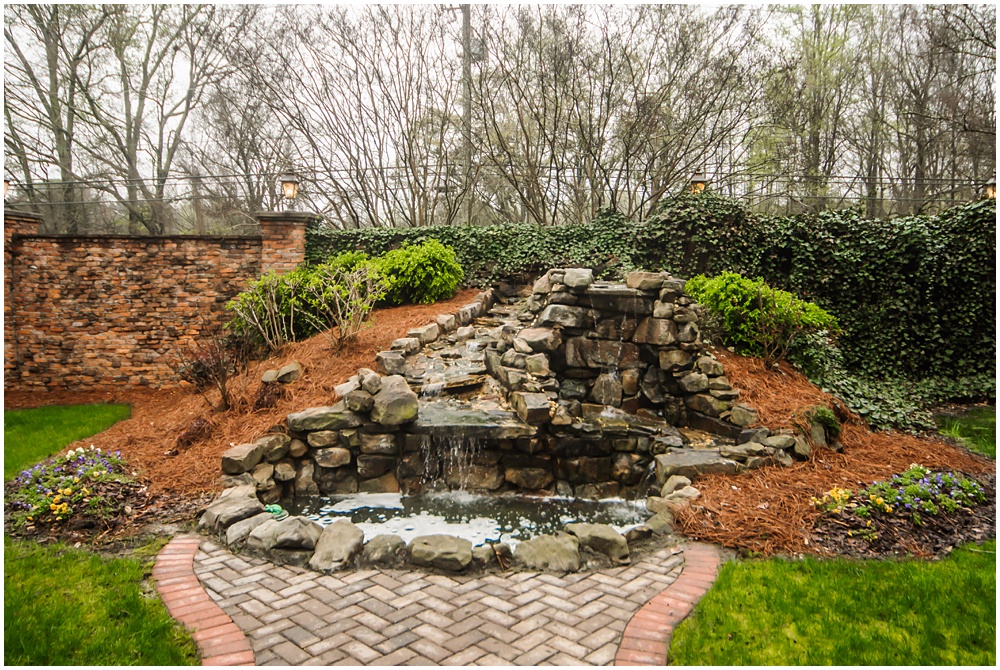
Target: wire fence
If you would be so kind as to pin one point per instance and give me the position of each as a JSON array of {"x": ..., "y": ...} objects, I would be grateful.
[{"x": 226, "y": 204}]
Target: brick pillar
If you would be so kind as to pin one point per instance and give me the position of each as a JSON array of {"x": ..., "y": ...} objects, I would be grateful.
[
  {"x": 284, "y": 239},
  {"x": 14, "y": 223}
]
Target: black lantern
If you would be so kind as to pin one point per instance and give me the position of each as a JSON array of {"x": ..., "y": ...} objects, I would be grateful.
[
  {"x": 990, "y": 191},
  {"x": 289, "y": 185},
  {"x": 699, "y": 180}
]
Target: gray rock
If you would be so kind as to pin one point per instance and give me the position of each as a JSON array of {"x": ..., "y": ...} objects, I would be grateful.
[
  {"x": 706, "y": 404},
  {"x": 446, "y": 322},
  {"x": 644, "y": 281},
  {"x": 694, "y": 382},
  {"x": 224, "y": 512},
  {"x": 337, "y": 546},
  {"x": 802, "y": 449},
  {"x": 683, "y": 495},
  {"x": 674, "y": 482},
  {"x": 817, "y": 434},
  {"x": 752, "y": 434},
  {"x": 537, "y": 364},
  {"x": 601, "y": 538},
  {"x": 630, "y": 382},
  {"x": 336, "y": 417},
  {"x": 371, "y": 466},
  {"x": 662, "y": 523},
  {"x": 296, "y": 532},
  {"x": 387, "y": 551},
  {"x": 391, "y": 362},
  {"x": 783, "y": 458},
  {"x": 352, "y": 384},
  {"x": 425, "y": 334},
  {"x": 443, "y": 552},
  {"x": 379, "y": 443},
  {"x": 513, "y": 359},
  {"x": 565, "y": 316},
  {"x": 573, "y": 389},
  {"x": 297, "y": 448},
  {"x": 541, "y": 339},
  {"x": 521, "y": 347},
  {"x": 323, "y": 438},
  {"x": 262, "y": 474},
  {"x": 656, "y": 504},
  {"x": 638, "y": 534},
  {"x": 542, "y": 285},
  {"x": 359, "y": 401},
  {"x": 284, "y": 471},
  {"x": 334, "y": 457},
  {"x": 780, "y": 441},
  {"x": 532, "y": 408},
  {"x": 558, "y": 553},
  {"x": 239, "y": 531},
  {"x": 242, "y": 458},
  {"x": 578, "y": 278},
  {"x": 483, "y": 556},
  {"x": 692, "y": 463},
  {"x": 245, "y": 490},
  {"x": 675, "y": 359},
  {"x": 687, "y": 333},
  {"x": 661, "y": 332},
  {"x": 407, "y": 345},
  {"x": 290, "y": 372},
  {"x": 396, "y": 403},
  {"x": 269, "y": 376},
  {"x": 531, "y": 479},
  {"x": 371, "y": 381},
  {"x": 305, "y": 484},
  {"x": 262, "y": 537},
  {"x": 465, "y": 333},
  {"x": 607, "y": 390},
  {"x": 720, "y": 384},
  {"x": 663, "y": 310},
  {"x": 387, "y": 483},
  {"x": 275, "y": 446},
  {"x": 710, "y": 366},
  {"x": 743, "y": 415}
]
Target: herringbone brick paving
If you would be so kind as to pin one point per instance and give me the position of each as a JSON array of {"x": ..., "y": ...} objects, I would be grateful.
[{"x": 294, "y": 616}]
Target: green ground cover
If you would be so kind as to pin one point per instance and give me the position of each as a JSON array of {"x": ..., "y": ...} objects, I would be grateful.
[
  {"x": 976, "y": 429},
  {"x": 846, "y": 612},
  {"x": 66, "y": 606},
  {"x": 29, "y": 435}
]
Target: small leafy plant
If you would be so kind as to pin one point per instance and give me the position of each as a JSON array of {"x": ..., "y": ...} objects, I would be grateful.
[
  {"x": 83, "y": 482},
  {"x": 920, "y": 491},
  {"x": 833, "y": 500},
  {"x": 825, "y": 417},
  {"x": 755, "y": 318}
]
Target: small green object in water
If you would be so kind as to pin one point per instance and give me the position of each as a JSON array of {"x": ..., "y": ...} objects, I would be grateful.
[{"x": 276, "y": 511}]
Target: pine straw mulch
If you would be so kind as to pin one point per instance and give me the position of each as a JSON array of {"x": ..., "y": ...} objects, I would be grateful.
[
  {"x": 160, "y": 416},
  {"x": 768, "y": 510}
]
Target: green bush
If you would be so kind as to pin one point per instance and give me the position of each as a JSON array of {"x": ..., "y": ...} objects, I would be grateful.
[
  {"x": 420, "y": 274},
  {"x": 825, "y": 417},
  {"x": 756, "y": 319}
]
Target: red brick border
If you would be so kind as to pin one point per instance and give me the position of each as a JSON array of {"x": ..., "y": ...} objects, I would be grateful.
[
  {"x": 647, "y": 637},
  {"x": 220, "y": 641}
]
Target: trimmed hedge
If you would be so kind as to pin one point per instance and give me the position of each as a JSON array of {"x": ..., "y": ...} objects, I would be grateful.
[{"x": 915, "y": 296}]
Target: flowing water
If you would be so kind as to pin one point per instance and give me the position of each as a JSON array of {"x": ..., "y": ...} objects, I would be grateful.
[{"x": 479, "y": 518}]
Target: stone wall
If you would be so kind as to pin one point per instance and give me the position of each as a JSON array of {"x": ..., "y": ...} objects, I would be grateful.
[{"x": 96, "y": 311}]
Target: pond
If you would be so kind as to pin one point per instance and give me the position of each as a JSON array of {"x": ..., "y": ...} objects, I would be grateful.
[{"x": 478, "y": 518}]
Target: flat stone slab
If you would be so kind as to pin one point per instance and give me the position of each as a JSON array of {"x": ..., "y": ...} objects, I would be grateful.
[
  {"x": 448, "y": 420},
  {"x": 693, "y": 462}
]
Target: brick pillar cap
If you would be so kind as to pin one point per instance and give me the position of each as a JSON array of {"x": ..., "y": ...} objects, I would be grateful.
[
  {"x": 16, "y": 213},
  {"x": 287, "y": 217}
]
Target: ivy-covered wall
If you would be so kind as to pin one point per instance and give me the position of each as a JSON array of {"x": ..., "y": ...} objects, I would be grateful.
[{"x": 916, "y": 296}]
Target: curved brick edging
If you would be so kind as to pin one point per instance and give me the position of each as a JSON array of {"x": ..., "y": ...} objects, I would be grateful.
[
  {"x": 220, "y": 641},
  {"x": 647, "y": 636}
]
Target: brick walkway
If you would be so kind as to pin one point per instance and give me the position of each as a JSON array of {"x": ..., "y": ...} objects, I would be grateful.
[{"x": 294, "y": 616}]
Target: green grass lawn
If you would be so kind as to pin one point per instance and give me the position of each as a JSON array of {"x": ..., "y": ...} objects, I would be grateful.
[
  {"x": 65, "y": 606},
  {"x": 846, "y": 612},
  {"x": 30, "y": 435},
  {"x": 976, "y": 428}
]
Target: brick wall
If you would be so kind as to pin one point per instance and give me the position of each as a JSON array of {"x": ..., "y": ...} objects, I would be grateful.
[{"x": 97, "y": 311}]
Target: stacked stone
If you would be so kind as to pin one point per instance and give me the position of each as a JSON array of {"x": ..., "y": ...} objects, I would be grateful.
[
  {"x": 631, "y": 346},
  {"x": 393, "y": 361},
  {"x": 354, "y": 445}
]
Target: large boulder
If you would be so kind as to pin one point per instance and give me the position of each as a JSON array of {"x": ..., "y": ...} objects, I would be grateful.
[
  {"x": 559, "y": 553},
  {"x": 644, "y": 281},
  {"x": 275, "y": 446},
  {"x": 387, "y": 551},
  {"x": 359, "y": 401},
  {"x": 693, "y": 382},
  {"x": 396, "y": 403},
  {"x": 567, "y": 317},
  {"x": 601, "y": 538},
  {"x": 391, "y": 362},
  {"x": 242, "y": 458},
  {"x": 441, "y": 551},
  {"x": 289, "y": 373},
  {"x": 337, "y": 546},
  {"x": 336, "y": 417},
  {"x": 296, "y": 532},
  {"x": 706, "y": 404},
  {"x": 528, "y": 478},
  {"x": 224, "y": 512},
  {"x": 693, "y": 462},
  {"x": 743, "y": 415},
  {"x": 426, "y": 334},
  {"x": 241, "y": 529},
  {"x": 334, "y": 457},
  {"x": 578, "y": 278},
  {"x": 655, "y": 331}
]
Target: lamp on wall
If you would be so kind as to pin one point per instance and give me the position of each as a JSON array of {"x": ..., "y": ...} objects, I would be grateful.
[
  {"x": 289, "y": 185},
  {"x": 990, "y": 191},
  {"x": 699, "y": 180},
  {"x": 6, "y": 187}
]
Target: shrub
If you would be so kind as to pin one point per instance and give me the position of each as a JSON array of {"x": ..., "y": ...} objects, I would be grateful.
[
  {"x": 919, "y": 491},
  {"x": 756, "y": 319},
  {"x": 420, "y": 274},
  {"x": 272, "y": 309},
  {"x": 213, "y": 363},
  {"x": 340, "y": 300}
]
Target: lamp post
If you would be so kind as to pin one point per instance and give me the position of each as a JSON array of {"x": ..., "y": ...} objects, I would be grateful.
[
  {"x": 699, "y": 180},
  {"x": 289, "y": 188},
  {"x": 990, "y": 191}
]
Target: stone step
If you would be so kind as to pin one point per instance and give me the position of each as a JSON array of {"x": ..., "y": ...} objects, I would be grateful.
[{"x": 445, "y": 419}]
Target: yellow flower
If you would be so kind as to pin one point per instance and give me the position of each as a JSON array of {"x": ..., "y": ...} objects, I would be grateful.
[
  {"x": 76, "y": 480},
  {"x": 53, "y": 507},
  {"x": 86, "y": 491},
  {"x": 57, "y": 499}
]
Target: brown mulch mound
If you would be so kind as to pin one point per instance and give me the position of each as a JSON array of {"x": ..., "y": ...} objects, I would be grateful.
[
  {"x": 768, "y": 510},
  {"x": 159, "y": 417}
]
